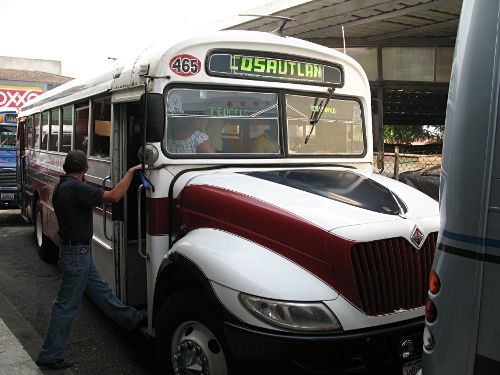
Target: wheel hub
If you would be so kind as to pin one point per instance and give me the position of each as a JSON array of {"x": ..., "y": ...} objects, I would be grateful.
[
  {"x": 196, "y": 351},
  {"x": 190, "y": 359}
]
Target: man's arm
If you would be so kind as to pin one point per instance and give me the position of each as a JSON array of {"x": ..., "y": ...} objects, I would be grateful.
[{"x": 117, "y": 193}]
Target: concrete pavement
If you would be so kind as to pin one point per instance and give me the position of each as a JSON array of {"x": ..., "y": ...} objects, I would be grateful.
[
  {"x": 19, "y": 344},
  {"x": 14, "y": 360}
]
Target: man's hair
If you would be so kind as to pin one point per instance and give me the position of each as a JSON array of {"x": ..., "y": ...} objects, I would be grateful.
[{"x": 75, "y": 162}]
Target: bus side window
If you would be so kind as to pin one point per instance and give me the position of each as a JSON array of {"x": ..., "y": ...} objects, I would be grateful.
[
  {"x": 101, "y": 127},
  {"x": 82, "y": 129},
  {"x": 67, "y": 117},
  {"x": 29, "y": 133},
  {"x": 54, "y": 130},
  {"x": 36, "y": 123},
  {"x": 45, "y": 130}
]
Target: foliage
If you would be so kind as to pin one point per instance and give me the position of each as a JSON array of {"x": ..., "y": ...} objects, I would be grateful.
[{"x": 407, "y": 134}]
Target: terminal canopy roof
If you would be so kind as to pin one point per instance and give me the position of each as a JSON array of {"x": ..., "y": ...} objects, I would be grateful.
[{"x": 405, "y": 46}]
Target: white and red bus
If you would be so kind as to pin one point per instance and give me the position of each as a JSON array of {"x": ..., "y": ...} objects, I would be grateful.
[{"x": 271, "y": 249}]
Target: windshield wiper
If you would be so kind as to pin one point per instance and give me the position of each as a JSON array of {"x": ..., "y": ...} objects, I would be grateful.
[{"x": 316, "y": 115}]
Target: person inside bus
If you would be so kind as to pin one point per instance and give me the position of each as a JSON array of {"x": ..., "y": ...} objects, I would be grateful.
[
  {"x": 267, "y": 142},
  {"x": 184, "y": 136},
  {"x": 73, "y": 200},
  {"x": 184, "y": 133}
]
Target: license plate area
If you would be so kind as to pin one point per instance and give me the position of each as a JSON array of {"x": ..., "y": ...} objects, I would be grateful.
[
  {"x": 411, "y": 368},
  {"x": 7, "y": 196}
]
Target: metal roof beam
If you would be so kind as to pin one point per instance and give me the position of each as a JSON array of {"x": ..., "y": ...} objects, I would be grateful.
[
  {"x": 406, "y": 41},
  {"x": 380, "y": 17},
  {"x": 414, "y": 30}
]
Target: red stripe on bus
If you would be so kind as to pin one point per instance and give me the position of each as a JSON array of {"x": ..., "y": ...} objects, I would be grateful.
[
  {"x": 283, "y": 232},
  {"x": 157, "y": 220}
]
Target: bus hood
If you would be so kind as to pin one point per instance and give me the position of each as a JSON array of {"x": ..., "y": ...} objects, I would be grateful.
[
  {"x": 331, "y": 199},
  {"x": 338, "y": 224}
]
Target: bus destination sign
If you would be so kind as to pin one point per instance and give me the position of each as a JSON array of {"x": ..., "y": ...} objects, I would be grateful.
[{"x": 274, "y": 68}]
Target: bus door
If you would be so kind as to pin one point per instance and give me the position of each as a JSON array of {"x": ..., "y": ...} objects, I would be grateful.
[{"x": 132, "y": 275}]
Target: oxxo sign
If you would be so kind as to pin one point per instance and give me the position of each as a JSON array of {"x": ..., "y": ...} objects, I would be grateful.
[{"x": 17, "y": 96}]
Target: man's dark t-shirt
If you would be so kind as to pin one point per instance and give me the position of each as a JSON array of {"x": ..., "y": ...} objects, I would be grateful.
[{"x": 73, "y": 201}]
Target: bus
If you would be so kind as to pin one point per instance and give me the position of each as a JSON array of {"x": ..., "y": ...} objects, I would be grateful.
[
  {"x": 462, "y": 331},
  {"x": 8, "y": 129},
  {"x": 259, "y": 240}
]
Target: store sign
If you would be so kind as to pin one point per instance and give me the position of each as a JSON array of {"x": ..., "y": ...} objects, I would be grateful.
[{"x": 17, "y": 96}]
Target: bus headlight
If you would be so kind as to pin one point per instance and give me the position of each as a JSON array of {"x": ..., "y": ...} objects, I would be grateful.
[{"x": 299, "y": 316}]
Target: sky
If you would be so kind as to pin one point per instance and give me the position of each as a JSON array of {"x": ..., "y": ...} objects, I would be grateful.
[{"x": 84, "y": 34}]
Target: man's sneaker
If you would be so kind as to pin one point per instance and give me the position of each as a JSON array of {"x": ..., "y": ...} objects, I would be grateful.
[{"x": 58, "y": 365}]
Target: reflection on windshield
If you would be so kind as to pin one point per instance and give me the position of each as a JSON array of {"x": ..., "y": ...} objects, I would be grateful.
[
  {"x": 223, "y": 122},
  {"x": 7, "y": 138},
  {"x": 338, "y": 132}
]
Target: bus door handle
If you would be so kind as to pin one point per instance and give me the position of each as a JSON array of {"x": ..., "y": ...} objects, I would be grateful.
[
  {"x": 104, "y": 210},
  {"x": 139, "y": 224}
]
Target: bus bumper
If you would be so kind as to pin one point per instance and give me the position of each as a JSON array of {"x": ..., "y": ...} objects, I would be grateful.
[{"x": 372, "y": 351}]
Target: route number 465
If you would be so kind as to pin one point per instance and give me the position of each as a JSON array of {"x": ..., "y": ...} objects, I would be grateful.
[{"x": 185, "y": 65}]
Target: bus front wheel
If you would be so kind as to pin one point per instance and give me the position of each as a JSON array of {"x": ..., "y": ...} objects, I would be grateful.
[
  {"x": 46, "y": 249},
  {"x": 189, "y": 336}
]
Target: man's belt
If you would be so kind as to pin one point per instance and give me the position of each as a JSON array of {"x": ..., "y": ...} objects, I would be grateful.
[{"x": 64, "y": 242}]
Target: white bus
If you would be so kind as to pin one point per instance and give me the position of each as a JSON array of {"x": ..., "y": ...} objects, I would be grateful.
[
  {"x": 261, "y": 241},
  {"x": 462, "y": 326}
]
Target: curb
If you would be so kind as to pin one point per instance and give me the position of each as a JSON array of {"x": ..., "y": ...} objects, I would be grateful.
[{"x": 19, "y": 343}]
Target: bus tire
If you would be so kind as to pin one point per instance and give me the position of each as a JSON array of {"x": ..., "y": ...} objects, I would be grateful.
[
  {"x": 45, "y": 247},
  {"x": 189, "y": 332}
]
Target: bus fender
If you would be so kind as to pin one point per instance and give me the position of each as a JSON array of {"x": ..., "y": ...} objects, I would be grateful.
[{"x": 237, "y": 263}]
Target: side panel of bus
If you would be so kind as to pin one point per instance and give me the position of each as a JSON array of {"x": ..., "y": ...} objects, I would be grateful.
[{"x": 462, "y": 328}]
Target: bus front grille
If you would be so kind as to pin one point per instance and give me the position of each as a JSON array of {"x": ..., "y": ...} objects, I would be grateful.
[
  {"x": 391, "y": 275},
  {"x": 8, "y": 178}
]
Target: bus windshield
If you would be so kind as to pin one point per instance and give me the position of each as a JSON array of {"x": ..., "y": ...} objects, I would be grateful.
[
  {"x": 8, "y": 130},
  {"x": 243, "y": 122},
  {"x": 339, "y": 130}
]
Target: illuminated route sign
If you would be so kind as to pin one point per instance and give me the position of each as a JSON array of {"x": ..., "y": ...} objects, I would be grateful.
[{"x": 274, "y": 68}]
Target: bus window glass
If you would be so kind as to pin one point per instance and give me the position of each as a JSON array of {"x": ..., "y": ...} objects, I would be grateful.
[
  {"x": 45, "y": 130},
  {"x": 82, "y": 129},
  {"x": 7, "y": 136},
  {"x": 36, "y": 123},
  {"x": 29, "y": 133},
  {"x": 67, "y": 116},
  {"x": 231, "y": 122},
  {"x": 101, "y": 128},
  {"x": 338, "y": 132},
  {"x": 54, "y": 130},
  {"x": 8, "y": 130}
]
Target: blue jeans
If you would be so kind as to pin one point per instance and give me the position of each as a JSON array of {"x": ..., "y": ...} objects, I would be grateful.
[{"x": 79, "y": 274}]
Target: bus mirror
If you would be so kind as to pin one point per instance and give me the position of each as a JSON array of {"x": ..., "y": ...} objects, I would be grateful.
[
  {"x": 378, "y": 133},
  {"x": 154, "y": 114}
]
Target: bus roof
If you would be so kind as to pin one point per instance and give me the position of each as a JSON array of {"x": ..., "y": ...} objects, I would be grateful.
[{"x": 156, "y": 57}]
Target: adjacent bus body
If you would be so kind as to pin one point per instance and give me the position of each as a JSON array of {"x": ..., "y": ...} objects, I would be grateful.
[
  {"x": 462, "y": 326},
  {"x": 260, "y": 241},
  {"x": 8, "y": 129}
]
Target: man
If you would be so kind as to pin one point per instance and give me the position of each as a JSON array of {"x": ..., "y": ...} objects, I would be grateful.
[
  {"x": 267, "y": 142},
  {"x": 73, "y": 200}
]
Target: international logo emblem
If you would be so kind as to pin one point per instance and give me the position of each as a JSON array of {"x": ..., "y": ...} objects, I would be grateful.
[{"x": 417, "y": 237}]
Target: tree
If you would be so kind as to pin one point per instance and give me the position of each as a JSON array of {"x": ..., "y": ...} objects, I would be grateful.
[{"x": 407, "y": 134}]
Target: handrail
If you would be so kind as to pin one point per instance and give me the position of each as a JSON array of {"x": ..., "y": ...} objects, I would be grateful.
[
  {"x": 104, "y": 211},
  {"x": 139, "y": 225}
]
